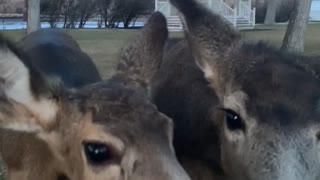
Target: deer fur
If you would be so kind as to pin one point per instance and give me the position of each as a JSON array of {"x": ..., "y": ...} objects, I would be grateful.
[
  {"x": 107, "y": 130},
  {"x": 242, "y": 110}
]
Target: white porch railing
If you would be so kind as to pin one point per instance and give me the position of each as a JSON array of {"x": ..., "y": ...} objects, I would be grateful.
[
  {"x": 241, "y": 14},
  {"x": 247, "y": 13},
  {"x": 247, "y": 2},
  {"x": 229, "y": 13}
]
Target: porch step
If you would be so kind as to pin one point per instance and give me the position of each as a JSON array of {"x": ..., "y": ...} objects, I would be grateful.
[{"x": 175, "y": 25}]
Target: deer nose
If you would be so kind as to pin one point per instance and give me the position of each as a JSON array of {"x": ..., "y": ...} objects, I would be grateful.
[
  {"x": 318, "y": 137},
  {"x": 178, "y": 173}
]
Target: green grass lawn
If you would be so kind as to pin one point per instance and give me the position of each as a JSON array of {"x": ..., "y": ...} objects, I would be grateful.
[
  {"x": 103, "y": 45},
  {"x": 274, "y": 35}
]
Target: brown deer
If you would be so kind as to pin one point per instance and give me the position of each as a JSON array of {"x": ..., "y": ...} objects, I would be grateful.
[
  {"x": 108, "y": 130},
  {"x": 57, "y": 54},
  {"x": 242, "y": 111}
]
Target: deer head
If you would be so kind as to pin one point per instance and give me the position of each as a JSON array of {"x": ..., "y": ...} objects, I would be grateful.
[
  {"x": 107, "y": 130},
  {"x": 270, "y": 100}
]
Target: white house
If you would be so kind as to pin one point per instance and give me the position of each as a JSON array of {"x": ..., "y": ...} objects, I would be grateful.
[
  {"x": 315, "y": 10},
  {"x": 238, "y": 12}
]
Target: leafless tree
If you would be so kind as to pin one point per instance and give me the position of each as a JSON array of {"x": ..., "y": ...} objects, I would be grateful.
[
  {"x": 294, "y": 39},
  {"x": 70, "y": 14},
  {"x": 86, "y": 8},
  {"x": 128, "y": 11},
  {"x": 51, "y": 11},
  {"x": 103, "y": 7}
]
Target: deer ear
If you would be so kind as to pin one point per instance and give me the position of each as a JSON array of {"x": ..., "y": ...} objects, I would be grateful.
[
  {"x": 211, "y": 40},
  {"x": 142, "y": 58},
  {"x": 25, "y": 95}
]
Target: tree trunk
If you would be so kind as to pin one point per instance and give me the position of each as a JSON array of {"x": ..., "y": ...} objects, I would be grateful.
[
  {"x": 81, "y": 22},
  {"x": 271, "y": 12},
  {"x": 33, "y": 16},
  {"x": 65, "y": 20},
  {"x": 106, "y": 21},
  {"x": 295, "y": 35}
]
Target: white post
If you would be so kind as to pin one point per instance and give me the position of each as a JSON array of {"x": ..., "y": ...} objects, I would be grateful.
[
  {"x": 33, "y": 23},
  {"x": 169, "y": 9},
  {"x": 210, "y": 4},
  {"x": 254, "y": 17},
  {"x": 235, "y": 17},
  {"x": 238, "y": 7},
  {"x": 156, "y": 5},
  {"x": 219, "y": 9}
]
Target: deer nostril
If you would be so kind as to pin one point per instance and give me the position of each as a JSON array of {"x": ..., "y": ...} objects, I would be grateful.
[
  {"x": 318, "y": 136},
  {"x": 135, "y": 166}
]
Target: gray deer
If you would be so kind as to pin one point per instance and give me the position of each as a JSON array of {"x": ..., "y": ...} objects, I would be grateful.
[
  {"x": 104, "y": 131},
  {"x": 56, "y": 53},
  {"x": 242, "y": 111}
]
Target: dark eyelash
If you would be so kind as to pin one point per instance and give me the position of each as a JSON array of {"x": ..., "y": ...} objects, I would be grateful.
[{"x": 226, "y": 110}]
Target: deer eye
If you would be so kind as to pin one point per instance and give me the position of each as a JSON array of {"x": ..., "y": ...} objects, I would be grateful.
[
  {"x": 233, "y": 121},
  {"x": 97, "y": 153}
]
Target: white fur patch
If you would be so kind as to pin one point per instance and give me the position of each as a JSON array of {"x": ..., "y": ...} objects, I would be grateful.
[
  {"x": 206, "y": 69},
  {"x": 23, "y": 127},
  {"x": 15, "y": 83}
]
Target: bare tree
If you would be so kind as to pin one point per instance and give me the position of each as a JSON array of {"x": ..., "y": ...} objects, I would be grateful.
[
  {"x": 51, "y": 11},
  {"x": 271, "y": 12},
  {"x": 69, "y": 12},
  {"x": 295, "y": 35},
  {"x": 33, "y": 7},
  {"x": 86, "y": 9},
  {"x": 104, "y": 10},
  {"x": 128, "y": 11}
]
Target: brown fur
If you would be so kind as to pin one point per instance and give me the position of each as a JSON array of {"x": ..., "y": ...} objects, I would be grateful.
[
  {"x": 273, "y": 95},
  {"x": 116, "y": 113}
]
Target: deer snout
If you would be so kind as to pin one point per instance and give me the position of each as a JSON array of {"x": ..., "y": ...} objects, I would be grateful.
[
  {"x": 176, "y": 172},
  {"x": 160, "y": 169},
  {"x": 296, "y": 157}
]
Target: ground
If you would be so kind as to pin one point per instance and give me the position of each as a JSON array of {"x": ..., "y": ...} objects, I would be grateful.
[{"x": 103, "y": 45}]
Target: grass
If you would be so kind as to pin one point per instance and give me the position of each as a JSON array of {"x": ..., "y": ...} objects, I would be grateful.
[
  {"x": 103, "y": 45},
  {"x": 274, "y": 35}
]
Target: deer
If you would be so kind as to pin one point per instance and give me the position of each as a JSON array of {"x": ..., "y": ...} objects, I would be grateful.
[
  {"x": 58, "y": 54},
  {"x": 106, "y": 130},
  {"x": 242, "y": 110}
]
